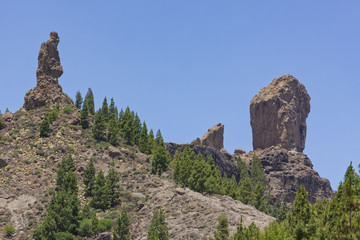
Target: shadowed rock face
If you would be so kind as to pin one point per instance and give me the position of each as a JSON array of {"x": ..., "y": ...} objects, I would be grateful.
[
  {"x": 278, "y": 115},
  {"x": 286, "y": 170},
  {"x": 47, "y": 90}
]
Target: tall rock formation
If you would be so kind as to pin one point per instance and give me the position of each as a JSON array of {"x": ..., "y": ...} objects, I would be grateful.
[
  {"x": 278, "y": 120},
  {"x": 278, "y": 115},
  {"x": 47, "y": 90},
  {"x": 213, "y": 138}
]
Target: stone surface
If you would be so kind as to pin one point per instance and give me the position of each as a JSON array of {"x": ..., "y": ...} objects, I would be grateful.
[
  {"x": 213, "y": 138},
  {"x": 47, "y": 90},
  {"x": 223, "y": 160},
  {"x": 7, "y": 117},
  {"x": 3, "y": 163},
  {"x": 278, "y": 114},
  {"x": 114, "y": 152},
  {"x": 286, "y": 170}
]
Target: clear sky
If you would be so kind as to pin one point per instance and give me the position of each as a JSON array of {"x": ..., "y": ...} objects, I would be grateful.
[{"x": 185, "y": 66}]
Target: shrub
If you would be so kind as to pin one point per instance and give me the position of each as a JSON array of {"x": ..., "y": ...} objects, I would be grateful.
[
  {"x": 1, "y": 124},
  {"x": 104, "y": 224},
  {"x": 9, "y": 230},
  {"x": 44, "y": 128},
  {"x": 67, "y": 109},
  {"x": 64, "y": 236},
  {"x": 86, "y": 228}
]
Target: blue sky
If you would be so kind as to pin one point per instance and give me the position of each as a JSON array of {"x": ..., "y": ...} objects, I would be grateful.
[{"x": 185, "y": 66}]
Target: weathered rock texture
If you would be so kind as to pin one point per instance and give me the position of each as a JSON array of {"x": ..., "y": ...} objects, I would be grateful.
[
  {"x": 223, "y": 160},
  {"x": 278, "y": 114},
  {"x": 213, "y": 138},
  {"x": 286, "y": 170},
  {"x": 47, "y": 90}
]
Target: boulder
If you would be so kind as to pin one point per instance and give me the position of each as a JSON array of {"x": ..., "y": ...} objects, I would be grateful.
[
  {"x": 278, "y": 115},
  {"x": 114, "y": 152},
  {"x": 47, "y": 90}
]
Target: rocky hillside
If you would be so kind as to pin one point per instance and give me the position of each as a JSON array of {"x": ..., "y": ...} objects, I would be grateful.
[{"x": 28, "y": 166}]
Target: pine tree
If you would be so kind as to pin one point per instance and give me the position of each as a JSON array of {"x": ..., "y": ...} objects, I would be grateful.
[
  {"x": 257, "y": 172},
  {"x": 246, "y": 191},
  {"x": 259, "y": 200},
  {"x": 243, "y": 171},
  {"x": 300, "y": 218},
  {"x": 84, "y": 116},
  {"x": 78, "y": 100},
  {"x": 199, "y": 174},
  {"x": 89, "y": 222},
  {"x": 89, "y": 177},
  {"x": 89, "y": 98},
  {"x": 99, "y": 127},
  {"x": 136, "y": 128},
  {"x": 100, "y": 193},
  {"x": 151, "y": 143},
  {"x": 7, "y": 110},
  {"x": 159, "y": 139},
  {"x": 126, "y": 128},
  {"x": 183, "y": 167},
  {"x": 160, "y": 161},
  {"x": 143, "y": 141},
  {"x": 282, "y": 211},
  {"x": 158, "y": 229},
  {"x": 121, "y": 228},
  {"x": 113, "y": 130},
  {"x": 105, "y": 110},
  {"x": 222, "y": 229},
  {"x": 113, "y": 189},
  {"x": 113, "y": 109}
]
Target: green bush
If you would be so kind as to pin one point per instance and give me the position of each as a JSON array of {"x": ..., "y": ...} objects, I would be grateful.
[
  {"x": 44, "y": 128},
  {"x": 1, "y": 124},
  {"x": 9, "y": 230},
  {"x": 64, "y": 236},
  {"x": 67, "y": 109},
  {"x": 111, "y": 215},
  {"x": 53, "y": 115},
  {"x": 86, "y": 228},
  {"x": 104, "y": 224}
]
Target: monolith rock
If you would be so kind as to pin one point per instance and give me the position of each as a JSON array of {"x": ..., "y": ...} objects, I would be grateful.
[
  {"x": 278, "y": 115},
  {"x": 48, "y": 89}
]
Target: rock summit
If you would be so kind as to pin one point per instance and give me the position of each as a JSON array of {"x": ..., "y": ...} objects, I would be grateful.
[
  {"x": 278, "y": 115},
  {"x": 47, "y": 90}
]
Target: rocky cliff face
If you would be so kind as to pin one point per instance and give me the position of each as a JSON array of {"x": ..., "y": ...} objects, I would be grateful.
[
  {"x": 47, "y": 90},
  {"x": 286, "y": 170},
  {"x": 213, "y": 138},
  {"x": 278, "y": 114}
]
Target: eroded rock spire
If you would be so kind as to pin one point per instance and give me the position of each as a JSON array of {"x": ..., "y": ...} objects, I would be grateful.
[{"x": 47, "y": 90}]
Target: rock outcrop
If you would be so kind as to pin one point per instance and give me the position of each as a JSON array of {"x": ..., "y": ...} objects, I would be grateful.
[
  {"x": 278, "y": 120},
  {"x": 278, "y": 114},
  {"x": 213, "y": 138},
  {"x": 223, "y": 160},
  {"x": 47, "y": 90},
  {"x": 286, "y": 170}
]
